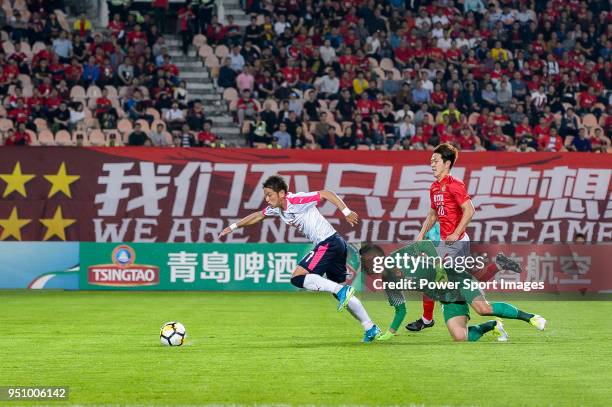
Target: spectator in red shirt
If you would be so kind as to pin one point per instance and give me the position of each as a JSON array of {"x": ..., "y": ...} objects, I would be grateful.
[
  {"x": 206, "y": 138},
  {"x": 246, "y": 107},
  {"x": 551, "y": 141},
  {"x": 586, "y": 100},
  {"x": 19, "y": 114},
  {"x": 18, "y": 138}
]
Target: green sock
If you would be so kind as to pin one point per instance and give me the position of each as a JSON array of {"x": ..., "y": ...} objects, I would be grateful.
[
  {"x": 400, "y": 313},
  {"x": 505, "y": 310},
  {"x": 475, "y": 332}
]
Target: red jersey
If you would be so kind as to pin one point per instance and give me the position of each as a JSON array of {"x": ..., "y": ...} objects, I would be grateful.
[{"x": 447, "y": 196}]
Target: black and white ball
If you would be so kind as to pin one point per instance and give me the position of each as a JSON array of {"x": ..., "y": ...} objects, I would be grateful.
[{"x": 172, "y": 334}]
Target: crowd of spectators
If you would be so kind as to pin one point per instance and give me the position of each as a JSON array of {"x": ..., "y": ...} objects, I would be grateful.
[
  {"x": 69, "y": 84},
  {"x": 507, "y": 75},
  {"x": 503, "y": 75}
]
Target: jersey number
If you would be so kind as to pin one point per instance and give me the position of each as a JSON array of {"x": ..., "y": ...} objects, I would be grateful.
[{"x": 309, "y": 256}]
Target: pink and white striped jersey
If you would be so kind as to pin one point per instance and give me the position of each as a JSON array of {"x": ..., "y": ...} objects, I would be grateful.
[{"x": 302, "y": 213}]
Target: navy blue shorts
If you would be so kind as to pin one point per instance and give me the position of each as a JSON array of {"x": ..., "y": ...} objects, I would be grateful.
[{"x": 329, "y": 258}]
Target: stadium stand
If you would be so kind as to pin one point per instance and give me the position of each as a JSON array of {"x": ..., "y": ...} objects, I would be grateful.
[{"x": 360, "y": 74}]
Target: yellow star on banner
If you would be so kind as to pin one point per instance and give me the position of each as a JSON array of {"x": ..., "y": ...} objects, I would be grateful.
[
  {"x": 16, "y": 181},
  {"x": 61, "y": 181},
  {"x": 12, "y": 226},
  {"x": 56, "y": 225}
]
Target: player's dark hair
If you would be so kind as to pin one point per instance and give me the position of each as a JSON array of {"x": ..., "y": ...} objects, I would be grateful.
[
  {"x": 448, "y": 152},
  {"x": 371, "y": 247},
  {"x": 276, "y": 183}
]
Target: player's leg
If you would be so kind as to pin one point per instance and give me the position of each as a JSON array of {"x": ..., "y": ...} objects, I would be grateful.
[
  {"x": 426, "y": 321},
  {"x": 456, "y": 316},
  {"x": 505, "y": 310},
  {"x": 501, "y": 262},
  {"x": 309, "y": 272},
  {"x": 335, "y": 267}
]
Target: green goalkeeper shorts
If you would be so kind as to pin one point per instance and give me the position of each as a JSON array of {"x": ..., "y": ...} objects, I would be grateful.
[{"x": 455, "y": 309}]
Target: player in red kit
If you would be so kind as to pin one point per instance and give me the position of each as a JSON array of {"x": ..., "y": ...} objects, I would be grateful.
[{"x": 452, "y": 208}]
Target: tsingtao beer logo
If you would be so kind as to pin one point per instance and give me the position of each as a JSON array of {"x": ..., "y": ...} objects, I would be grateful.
[{"x": 123, "y": 272}]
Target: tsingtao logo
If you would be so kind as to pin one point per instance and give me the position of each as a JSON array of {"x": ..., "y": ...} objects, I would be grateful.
[{"x": 123, "y": 272}]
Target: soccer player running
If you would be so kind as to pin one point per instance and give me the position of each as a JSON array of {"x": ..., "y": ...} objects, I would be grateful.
[
  {"x": 329, "y": 254},
  {"x": 452, "y": 207}
]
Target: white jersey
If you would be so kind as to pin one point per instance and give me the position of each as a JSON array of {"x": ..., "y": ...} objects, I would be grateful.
[{"x": 302, "y": 213}]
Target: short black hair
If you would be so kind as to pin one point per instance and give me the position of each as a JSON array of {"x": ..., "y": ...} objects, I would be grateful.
[
  {"x": 448, "y": 152},
  {"x": 371, "y": 247},
  {"x": 276, "y": 183}
]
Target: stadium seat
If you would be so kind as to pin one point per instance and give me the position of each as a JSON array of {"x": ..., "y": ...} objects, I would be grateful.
[
  {"x": 273, "y": 105},
  {"x": 211, "y": 62},
  {"x": 33, "y": 136},
  {"x": 199, "y": 40},
  {"x": 233, "y": 104},
  {"x": 589, "y": 121},
  {"x": 45, "y": 138},
  {"x": 25, "y": 80},
  {"x": 94, "y": 92},
  {"x": 25, "y": 48},
  {"x": 78, "y": 92},
  {"x": 96, "y": 138},
  {"x": 124, "y": 126},
  {"x": 41, "y": 124},
  {"x": 8, "y": 47},
  {"x": 6, "y": 124},
  {"x": 63, "y": 138},
  {"x": 205, "y": 51},
  {"x": 144, "y": 125},
  {"x": 230, "y": 94},
  {"x": 221, "y": 51},
  {"x": 37, "y": 47},
  {"x": 168, "y": 138},
  {"x": 387, "y": 64},
  {"x": 112, "y": 91}
]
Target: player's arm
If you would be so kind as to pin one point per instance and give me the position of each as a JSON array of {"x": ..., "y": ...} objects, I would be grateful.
[
  {"x": 351, "y": 217},
  {"x": 468, "y": 213},
  {"x": 430, "y": 220},
  {"x": 248, "y": 220}
]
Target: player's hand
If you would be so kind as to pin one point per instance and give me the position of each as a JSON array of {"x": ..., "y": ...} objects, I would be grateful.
[
  {"x": 352, "y": 218},
  {"x": 452, "y": 238},
  {"x": 225, "y": 232}
]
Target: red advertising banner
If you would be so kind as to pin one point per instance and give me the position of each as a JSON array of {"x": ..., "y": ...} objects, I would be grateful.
[{"x": 189, "y": 195}]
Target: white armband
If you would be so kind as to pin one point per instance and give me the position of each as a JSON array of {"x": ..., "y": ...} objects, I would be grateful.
[
  {"x": 233, "y": 226},
  {"x": 346, "y": 211}
]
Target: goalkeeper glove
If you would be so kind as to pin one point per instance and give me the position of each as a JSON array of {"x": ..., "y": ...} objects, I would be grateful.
[{"x": 386, "y": 336}]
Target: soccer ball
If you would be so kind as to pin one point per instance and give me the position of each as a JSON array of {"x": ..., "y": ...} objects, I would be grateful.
[{"x": 172, "y": 334}]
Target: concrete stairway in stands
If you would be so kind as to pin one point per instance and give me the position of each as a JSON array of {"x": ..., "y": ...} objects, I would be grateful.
[{"x": 201, "y": 86}]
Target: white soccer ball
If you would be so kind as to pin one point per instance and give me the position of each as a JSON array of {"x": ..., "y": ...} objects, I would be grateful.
[{"x": 172, "y": 334}]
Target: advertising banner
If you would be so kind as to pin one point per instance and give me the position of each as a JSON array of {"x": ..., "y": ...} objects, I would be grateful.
[
  {"x": 182, "y": 195},
  {"x": 214, "y": 266}
]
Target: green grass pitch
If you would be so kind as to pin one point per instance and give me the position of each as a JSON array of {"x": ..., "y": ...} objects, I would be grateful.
[{"x": 293, "y": 348}]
